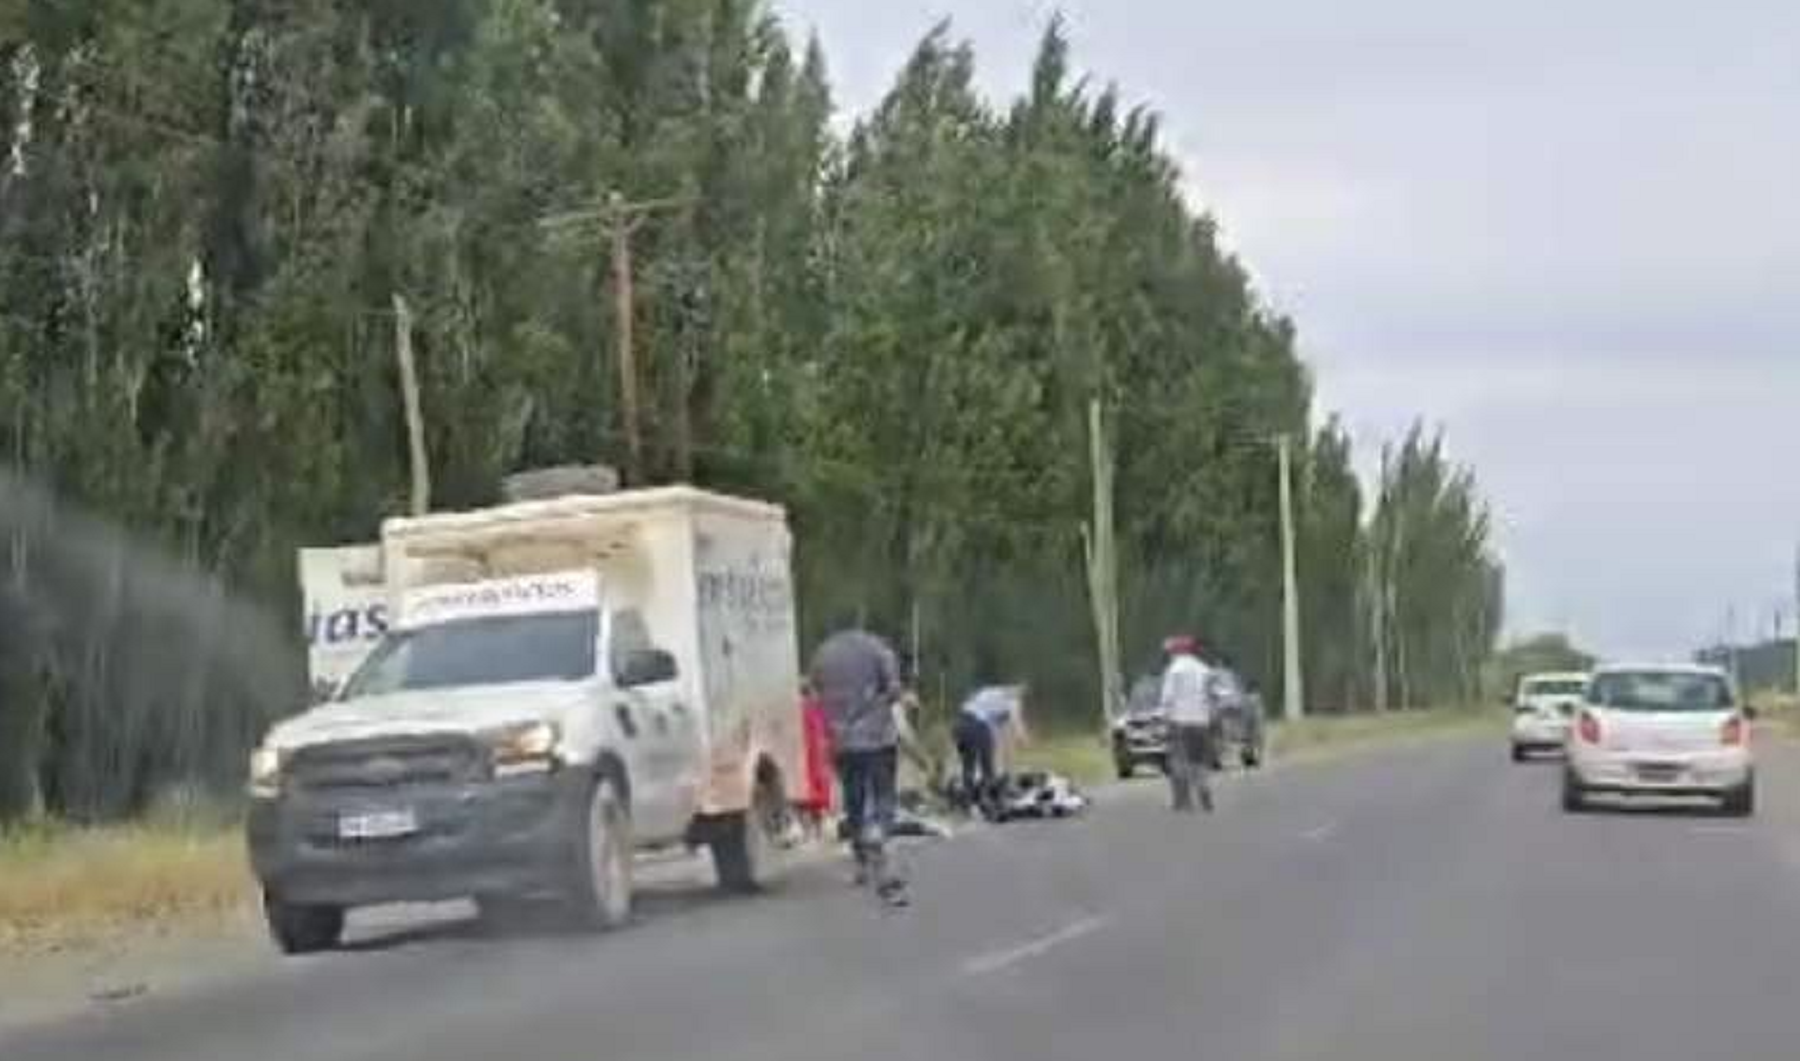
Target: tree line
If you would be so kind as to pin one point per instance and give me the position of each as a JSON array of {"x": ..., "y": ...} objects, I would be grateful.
[{"x": 895, "y": 327}]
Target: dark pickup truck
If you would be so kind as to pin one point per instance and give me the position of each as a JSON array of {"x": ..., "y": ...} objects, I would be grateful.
[{"x": 1140, "y": 734}]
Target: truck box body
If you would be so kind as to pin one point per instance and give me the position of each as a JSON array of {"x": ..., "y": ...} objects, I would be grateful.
[{"x": 709, "y": 575}]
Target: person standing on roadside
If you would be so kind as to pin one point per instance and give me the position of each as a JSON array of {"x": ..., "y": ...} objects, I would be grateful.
[
  {"x": 856, "y": 677},
  {"x": 821, "y": 777},
  {"x": 1188, "y": 700}
]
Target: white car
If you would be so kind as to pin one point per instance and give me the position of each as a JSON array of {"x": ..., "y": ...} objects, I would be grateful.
[
  {"x": 1542, "y": 710},
  {"x": 1668, "y": 730}
]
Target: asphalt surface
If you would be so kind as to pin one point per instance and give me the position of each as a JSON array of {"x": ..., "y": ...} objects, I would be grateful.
[{"x": 1429, "y": 902}]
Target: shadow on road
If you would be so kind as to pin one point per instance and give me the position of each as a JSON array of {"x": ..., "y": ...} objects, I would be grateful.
[{"x": 686, "y": 893}]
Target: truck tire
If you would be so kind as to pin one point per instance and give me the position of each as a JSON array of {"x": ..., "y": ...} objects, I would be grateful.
[
  {"x": 1740, "y": 802},
  {"x": 303, "y": 928},
  {"x": 598, "y": 894},
  {"x": 1574, "y": 796},
  {"x": 747, "y": 851},
  {"x": 1124, "y": 765}
]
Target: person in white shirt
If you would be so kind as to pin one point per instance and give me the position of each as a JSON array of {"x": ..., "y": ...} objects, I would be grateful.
[
  {"x": 990, "y": 722},
  {"x": 1189, "y": 697}
]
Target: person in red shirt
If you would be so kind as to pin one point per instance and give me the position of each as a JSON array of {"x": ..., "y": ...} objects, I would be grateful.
[{"x": 821, "y": 779}]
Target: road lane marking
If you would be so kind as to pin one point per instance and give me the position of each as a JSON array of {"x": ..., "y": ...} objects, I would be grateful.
[
  {"x": 1319, "y": 833},
  {"x": 995, "y": 961}
]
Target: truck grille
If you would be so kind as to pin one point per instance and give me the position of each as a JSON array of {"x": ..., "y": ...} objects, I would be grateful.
[{"x": 387, "y": 763}]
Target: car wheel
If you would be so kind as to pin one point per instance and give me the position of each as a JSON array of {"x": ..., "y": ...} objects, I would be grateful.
[
  {"x": 1518, "y": 754},
  {"x": 1574, "y": 797},
  {"x": 1740, "y": 802},
  {"x": 303, "y": 928},
  {"x": 1124, "y": 765},
  {"x": 600, "y": 886},
  {"x": 747, "y": 856}
]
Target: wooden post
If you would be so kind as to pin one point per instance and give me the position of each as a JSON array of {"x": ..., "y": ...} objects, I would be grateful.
[{"x": 415, "y": 416}]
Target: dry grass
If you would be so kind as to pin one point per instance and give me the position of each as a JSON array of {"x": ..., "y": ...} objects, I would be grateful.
[
  {"x": 1322, "y": 733},
  {"x": 1778, "y": 713},
  {"x": 62, "y": 886}
]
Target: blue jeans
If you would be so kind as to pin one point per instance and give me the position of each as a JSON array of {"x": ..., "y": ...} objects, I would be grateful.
[{"x": 870, "y": 781}]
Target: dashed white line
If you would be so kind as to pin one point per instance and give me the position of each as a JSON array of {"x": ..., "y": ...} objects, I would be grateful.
[
  {"x": 995, "y": 961},
  {"x": 1320, "y": 832}
]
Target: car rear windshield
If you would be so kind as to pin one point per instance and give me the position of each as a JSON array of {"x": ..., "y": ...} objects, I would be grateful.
[
  {"x": 1555, "y": 687},
  {"x": 1660, "y": 691},
  {"x": 501, "y": 650}
]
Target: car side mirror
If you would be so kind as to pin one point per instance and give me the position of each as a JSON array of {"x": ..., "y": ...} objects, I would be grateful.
[{"x": 650, "y": 666}]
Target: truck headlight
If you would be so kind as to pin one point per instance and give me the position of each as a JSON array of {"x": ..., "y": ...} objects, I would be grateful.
[
  {"x": 265, "y": 773},
  {"x": 526, "y": 748}
]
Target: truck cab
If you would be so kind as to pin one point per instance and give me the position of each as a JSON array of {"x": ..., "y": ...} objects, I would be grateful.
[{"x": 521, "y": 735}]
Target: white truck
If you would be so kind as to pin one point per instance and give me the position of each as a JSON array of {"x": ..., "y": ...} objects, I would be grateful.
[{"x": 563, "y": 683}]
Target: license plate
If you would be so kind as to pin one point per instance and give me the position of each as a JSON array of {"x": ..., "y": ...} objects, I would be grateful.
[
  {"x": 1658, "y": 772},
  {"x": 378, "y": 825}
]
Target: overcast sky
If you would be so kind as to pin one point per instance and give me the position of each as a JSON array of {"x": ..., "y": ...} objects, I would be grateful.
[{"x": 1568, "y": 231}]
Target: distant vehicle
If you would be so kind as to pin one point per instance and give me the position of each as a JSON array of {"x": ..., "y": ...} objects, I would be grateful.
[
  {"x": 1238, "y": 728},
  {"x": 1543, "y": 706},
  {"x": 1140, "y": 735},
  {"x": 1673, "y": 730},
  {"x": 563, "y": 683}
]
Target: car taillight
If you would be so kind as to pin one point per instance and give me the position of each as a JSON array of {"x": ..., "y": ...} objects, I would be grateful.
[
  {"x": 1589, "y": 728},
  {"x": 1733, "y": 732}
]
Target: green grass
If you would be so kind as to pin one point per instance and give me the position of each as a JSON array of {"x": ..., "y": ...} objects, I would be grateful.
[{"x": 1086, "y": 758}]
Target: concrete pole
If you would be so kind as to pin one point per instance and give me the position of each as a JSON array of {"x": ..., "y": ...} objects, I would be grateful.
[
  {"x": 1294, "y": 703},
  {"x": 415, "y": 416}
]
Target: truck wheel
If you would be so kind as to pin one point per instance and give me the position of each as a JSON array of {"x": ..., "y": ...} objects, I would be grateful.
[
  {"x": 1740, "y": 802},
  {"x": 1125, "y": 766},
  {"x": 299, "y": 928},
  {"x": 747, "y": 851},
  {"x": 1574, "y": 797},
  {"x": 599, "y": 891}
]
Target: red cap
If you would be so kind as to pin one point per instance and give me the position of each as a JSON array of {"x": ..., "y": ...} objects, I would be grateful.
[{"x": 1181, "y": 645}]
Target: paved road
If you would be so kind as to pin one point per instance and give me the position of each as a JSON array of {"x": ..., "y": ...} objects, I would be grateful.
[{"x": 1429, "y": 903}]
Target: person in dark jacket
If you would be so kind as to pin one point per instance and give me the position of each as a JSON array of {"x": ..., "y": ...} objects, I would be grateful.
[{"x": 856, "y": 677}]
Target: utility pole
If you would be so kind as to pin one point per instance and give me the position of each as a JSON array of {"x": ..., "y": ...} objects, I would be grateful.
[
  {"x": 1378, "y": 593},
  {"x": 1731, "y": 647},
  {"x": 415, "y": 416},
  {"x": 1797, "y": 622},
  {"x": 619, "y": 219},
  {"x": 1294, "y": 699},
  {"x": 1102, "y": 561}
]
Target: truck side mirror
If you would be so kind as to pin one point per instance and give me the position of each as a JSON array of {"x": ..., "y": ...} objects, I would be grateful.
[{"x": 650, "y": 666}]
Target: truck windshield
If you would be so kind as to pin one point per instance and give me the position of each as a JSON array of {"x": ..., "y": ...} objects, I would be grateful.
[
  {"x": 501, "y": 650},
  {"x": 1555, "y": 687}
]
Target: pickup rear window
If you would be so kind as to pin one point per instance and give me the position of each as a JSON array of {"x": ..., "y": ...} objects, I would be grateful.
[{"x": 502, "y": 650}]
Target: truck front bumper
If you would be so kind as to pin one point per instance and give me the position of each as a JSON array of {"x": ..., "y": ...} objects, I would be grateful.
[{"x": 506, "y": 837}]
